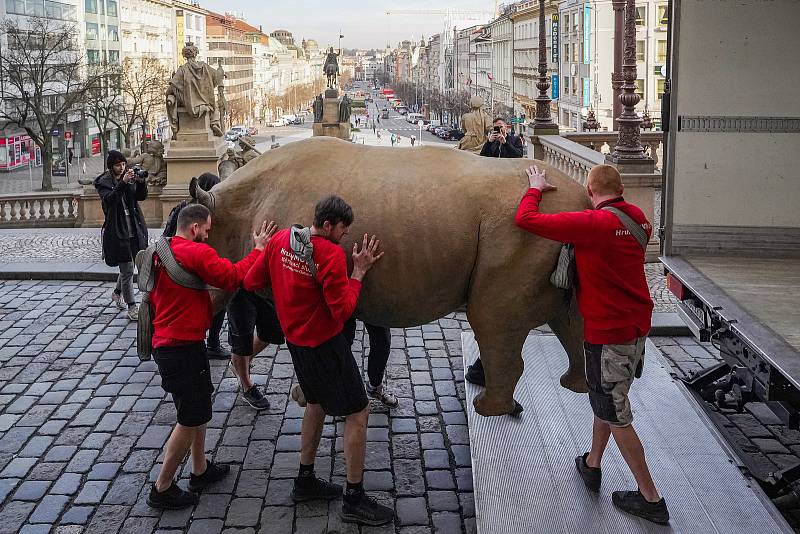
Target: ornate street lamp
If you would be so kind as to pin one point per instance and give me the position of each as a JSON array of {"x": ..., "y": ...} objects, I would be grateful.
[
  {"x": 629, "y": 149},
  {"x": 616, "y": 76},
  {"x": 543, "y": 123}
]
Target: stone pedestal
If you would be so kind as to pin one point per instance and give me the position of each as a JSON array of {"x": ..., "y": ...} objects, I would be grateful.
[
  {"x": 330, "y": 125},
  {"x": 195, "y": 151}
]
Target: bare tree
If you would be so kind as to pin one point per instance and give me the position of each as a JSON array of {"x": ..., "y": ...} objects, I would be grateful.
[
  {"x": 104, "y": 102},
  {"x": 44, "y": 78},
  {"x": 143, "y": 83}
]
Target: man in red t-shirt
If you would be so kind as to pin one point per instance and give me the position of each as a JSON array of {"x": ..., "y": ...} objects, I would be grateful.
[
  {"x": 314, "y": 298},
  {"x": 615, "y": 303},
  {"x": 181, "y": 317}
]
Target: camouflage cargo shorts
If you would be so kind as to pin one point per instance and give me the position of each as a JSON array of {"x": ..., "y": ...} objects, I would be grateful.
[{"x": 610, "y": 370}]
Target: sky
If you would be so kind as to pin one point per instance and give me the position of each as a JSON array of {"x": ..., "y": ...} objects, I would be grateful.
[{"x": 363, "y": 23}]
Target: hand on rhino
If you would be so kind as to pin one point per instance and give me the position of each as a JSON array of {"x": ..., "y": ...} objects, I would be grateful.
[
  {"x": 364, "y": 260},
  {"x": 263, "y": 235},
  {"x": 537, "y": 180}
]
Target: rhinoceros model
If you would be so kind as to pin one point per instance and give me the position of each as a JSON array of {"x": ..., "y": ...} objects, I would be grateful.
[{"x": 446, "y": 222}]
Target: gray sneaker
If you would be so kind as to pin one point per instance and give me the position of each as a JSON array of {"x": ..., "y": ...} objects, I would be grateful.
[
  {"x": 133, "y": 312},
  {"x": 255, "y": 398},
  {"x": 382, "y": 394}
]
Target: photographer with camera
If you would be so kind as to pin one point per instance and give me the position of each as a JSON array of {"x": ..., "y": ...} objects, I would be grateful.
[
  {"x": 124, "y": 231},
  {"x": 501, "y": 142}
]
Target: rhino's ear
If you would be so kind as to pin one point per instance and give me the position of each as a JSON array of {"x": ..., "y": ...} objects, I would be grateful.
[{"x": 201, "y": 196}]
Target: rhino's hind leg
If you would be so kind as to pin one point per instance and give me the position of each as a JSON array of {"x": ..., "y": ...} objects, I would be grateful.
[
  {"x": 567, "y": 325},
  {"x": 501, "y": 353}
]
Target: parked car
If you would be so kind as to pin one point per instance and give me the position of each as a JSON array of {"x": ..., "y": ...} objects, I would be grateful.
[
  {"x": 232, "y": 135},
  {"x": 456, "y": 134},
  {"x": 252, "y": 130},
  {"x": 241, "y": 129},
  {"x": 277, "y": 123}
]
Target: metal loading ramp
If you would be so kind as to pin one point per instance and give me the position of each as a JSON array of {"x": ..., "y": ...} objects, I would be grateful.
[{"x": 524, "y": 471}]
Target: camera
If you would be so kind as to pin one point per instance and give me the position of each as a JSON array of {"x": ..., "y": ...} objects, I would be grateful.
[
  {"x": 139, "y": 172},
  {"x": 497, "y": 129}
]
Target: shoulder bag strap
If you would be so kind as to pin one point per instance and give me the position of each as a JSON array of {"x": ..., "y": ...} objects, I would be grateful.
[
  {"x": 174, "y": 269},
  {"x": 636, "y": 230}
]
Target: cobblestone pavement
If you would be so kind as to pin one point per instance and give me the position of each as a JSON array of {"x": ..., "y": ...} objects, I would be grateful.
[{"x": 83, "y": 421}]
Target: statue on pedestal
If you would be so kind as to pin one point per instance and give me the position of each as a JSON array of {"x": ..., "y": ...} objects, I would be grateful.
[
  {"x": 345, "y": 109},
  {"x": 331, "y": 67},
  {"x": 234, "y": 160},
  {"x": 476, "y": 125},
  {"x": 191, "y": 91},
  {"x": 318, "y": 108},
  {"x": 152, "y": 160}
]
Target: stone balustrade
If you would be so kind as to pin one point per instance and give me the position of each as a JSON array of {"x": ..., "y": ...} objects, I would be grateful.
[
  {"x": 61, "y": 209},
  {"x": 570, "y": 157},
  {"x": 604, "y": 142}
]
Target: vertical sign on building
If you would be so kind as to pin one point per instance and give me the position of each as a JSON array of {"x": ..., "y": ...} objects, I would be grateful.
[
  {"x": 555, "y": 87},
  {"x": 586, "y": 99},
  {"x": 554, "y": 42},
  {"x": 587, "y": 33},
  {"x": 180, "y": 36}
]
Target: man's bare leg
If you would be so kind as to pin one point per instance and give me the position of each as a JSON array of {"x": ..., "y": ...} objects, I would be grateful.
[
  {"x": 355, "y": 438},
  {"x": 178, "y": 444},
  {"x": 311, "y": 433},
  {"x": 631, "y": 448},
  {"x": 241, "y": 364},
  {"x": 199, "y": 462},
  {"x": 601, "y": 431}
]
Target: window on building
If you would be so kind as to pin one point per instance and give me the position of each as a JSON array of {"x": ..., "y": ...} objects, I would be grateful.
[
  {"x": 575, "y": 57},
  {"x": 113, "y": 33},
  {"x": 640, "y": 50},
  {"x": 113, "y": 56},
  {"x": 565, "y": 81},
  {"x": 640, "y": 88},
  {"x": 90, "y": 6},
  {"x": 641, "y": 15},
  {"x": 575, "y": 21},
  {"x": 566, "y": 52},
  {"x": 660, "y": 89},
  {"x": 188, "y": 21},
  {"x": 663, "y": 16},
  {"x": 661, "y": 51},
  {"x": 112, "y": 8},
  {"x": 566, "y": 22},
  {"x": 93, "y": 56},
  {"x": 91, "y": 31}
]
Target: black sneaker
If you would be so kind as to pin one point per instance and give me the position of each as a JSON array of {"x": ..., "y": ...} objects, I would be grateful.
[
  {"x": 635, "y": 504},
  {"x": 591, "y": 475},
  {"x": 217, "y": 352},
  {"x": 475, "y": 374},
  {"x": 366, "y": 511},
  {"x": 316, "y": 488},
  {"x": 255, "y": 398},
  {"x": 174, "y": 498},
  {"x": 214, "y": 473}
]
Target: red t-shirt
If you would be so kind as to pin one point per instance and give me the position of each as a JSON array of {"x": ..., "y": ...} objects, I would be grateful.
[
  {"x": 183, "y": 315},
  {"x": 612, "y": 292},
  {"x": 311, "y": 309}
]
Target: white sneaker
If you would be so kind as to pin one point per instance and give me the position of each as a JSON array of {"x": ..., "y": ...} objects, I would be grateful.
[
  {"x": 133, "y": 313},
  {"x": 116, "y": 300}
]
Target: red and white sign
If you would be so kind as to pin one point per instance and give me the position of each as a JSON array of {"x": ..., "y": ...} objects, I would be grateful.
[{"x": 67, "y": 135}]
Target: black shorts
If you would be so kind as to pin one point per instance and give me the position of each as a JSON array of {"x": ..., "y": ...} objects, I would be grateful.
[
  {"x": 246, "y": 312},
  {"x": 329, "y": 376},
  {"x": 186, "y": 375}
]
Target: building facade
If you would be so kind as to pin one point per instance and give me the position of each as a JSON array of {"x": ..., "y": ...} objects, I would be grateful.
[
  {"x": 501, "y": 31},
  {"x": 190, "y": 27},
  {"x": 230, "y": 47}
]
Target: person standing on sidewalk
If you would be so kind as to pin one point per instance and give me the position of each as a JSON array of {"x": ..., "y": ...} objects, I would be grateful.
[
  {"x": 181, "y": 316},
  {"x": 214, "y": 348},
  {"x": 314, "y": 298},
  {"x": 124, "y": 231},
  {"x": 616, "y": 306}
]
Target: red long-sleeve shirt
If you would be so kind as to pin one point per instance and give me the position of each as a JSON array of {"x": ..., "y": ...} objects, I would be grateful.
[
  {"x": 182, "y": 314},
  {"x": 612, "y": 291},
  {"x": 311, "y": 310}
]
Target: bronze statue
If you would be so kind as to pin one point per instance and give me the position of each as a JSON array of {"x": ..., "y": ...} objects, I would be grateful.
[
  {"x": 233, "y": 160},
  {"x": 476, "y": 125},
  {"x": 331, "y": 67},
  {"x": 318, "y": 108},
  {"x": 152, "y": 160},
  {"x": 345, "y": 109},
  {"x": 191, "y": 91}
]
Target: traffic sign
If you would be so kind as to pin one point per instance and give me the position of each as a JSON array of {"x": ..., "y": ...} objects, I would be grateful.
[
  {"x": 56, "y": 132},
  {"x": 517, "y": 120},
  {"x": 67, "y": 135}
]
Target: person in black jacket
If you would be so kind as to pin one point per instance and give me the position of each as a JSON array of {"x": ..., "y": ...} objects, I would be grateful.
[
  {"x": 501, "y": 142},
  {"x": 124, "y": 231},
  {"x": 214, "y": 349}
]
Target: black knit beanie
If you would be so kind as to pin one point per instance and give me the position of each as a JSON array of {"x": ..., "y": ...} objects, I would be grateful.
[{"x": 114, "y": 157}]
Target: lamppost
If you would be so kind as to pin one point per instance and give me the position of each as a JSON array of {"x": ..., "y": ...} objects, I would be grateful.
[
  {"x": 543, "y": 123},
  {"x": 616, "y": 76},
  {"x": 629, "y": 151}
]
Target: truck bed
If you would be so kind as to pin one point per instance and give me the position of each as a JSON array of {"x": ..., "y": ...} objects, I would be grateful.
[{"x": 767, "y": 289}]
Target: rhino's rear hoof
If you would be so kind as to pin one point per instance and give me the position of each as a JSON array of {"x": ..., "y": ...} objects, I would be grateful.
[
  {"x": 488, "y": 406},
  {"x": 574, "y": 382}
]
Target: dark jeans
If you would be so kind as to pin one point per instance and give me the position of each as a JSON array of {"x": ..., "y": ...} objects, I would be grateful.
[
  {"x": 380, "y": 341},
  {"x": 216, "y": 327}
]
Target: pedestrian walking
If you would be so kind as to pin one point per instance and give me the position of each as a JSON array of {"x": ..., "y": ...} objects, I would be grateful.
[
  {"x": 181, "y": 316},
  {"x": 413, "y": 139},
  {"x": 307, "y": 270},
  {"x": 124, "y": 232},
  {"x": 393, "y": 139},
  {"x": 69, "y": 155}
]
